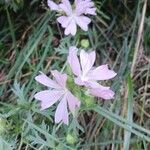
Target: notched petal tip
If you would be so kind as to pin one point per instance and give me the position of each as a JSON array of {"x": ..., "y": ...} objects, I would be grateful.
[
  {"x": 73, "y": 49},
  {"x": 39, "y": 77},
  {"x": 45, "y": 80}
]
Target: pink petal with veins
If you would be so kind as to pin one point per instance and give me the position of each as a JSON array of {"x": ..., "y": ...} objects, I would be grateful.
[
  {"x": 61, "y": 113},
  {"x": 74, "y": 61},
  {"x": 43, "y": 79},
  {"x": 48, "y": 97}
]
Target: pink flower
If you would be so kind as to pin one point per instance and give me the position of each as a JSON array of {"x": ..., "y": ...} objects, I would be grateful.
[
  {"x": 87, "y": 75},
  {"x": 74, "y": 16},
  {"x": 58, "y": 92}
]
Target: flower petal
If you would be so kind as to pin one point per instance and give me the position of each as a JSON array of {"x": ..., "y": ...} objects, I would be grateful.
[
  {"x": 71, "y": 28},
  {"x": 101, "y": 73},
  {"x": 92, "y": 84},
  {"x": 80, "y": 7},
  {"x": 73, "y": 102},
  {"x": 60, "y": 78},
  {"x": 43, "y": 79},
  {"x": 66, "y": 7},
  {"x": 85, "y": 7},
  {"x": 61, "y": 113},
  {"x": 89, "y": 4},
  {"x": 52, "y": 5},
  {"x": 83, "y": 22},
  {"x": 74, "y": 61},
  {"x": 102, "y": 93},
  {"x": 48, "y": 97},
  {"x": 91, "y": 11},
  {"x": 87, "y": 60},
  {"x": 64, "y": 21}
]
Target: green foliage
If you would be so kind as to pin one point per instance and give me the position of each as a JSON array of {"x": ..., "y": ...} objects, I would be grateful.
[
  {"x": 32, "y": 41},
  {"x": 16, "y": 5}
]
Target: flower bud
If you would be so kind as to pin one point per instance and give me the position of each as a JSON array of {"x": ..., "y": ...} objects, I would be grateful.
[
  {"x": 71, "y": 138},
  {"x": 85, "y": 43}
]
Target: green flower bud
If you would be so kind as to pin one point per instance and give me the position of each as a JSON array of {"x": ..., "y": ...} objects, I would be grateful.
[
  {"x": 85, "y": 43},
  {"x": 71, "y": 138}
]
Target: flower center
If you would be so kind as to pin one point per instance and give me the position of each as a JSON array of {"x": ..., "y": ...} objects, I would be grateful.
[
  {"x": 73, "y": 15},
  {"x": 84, "y": 78}
]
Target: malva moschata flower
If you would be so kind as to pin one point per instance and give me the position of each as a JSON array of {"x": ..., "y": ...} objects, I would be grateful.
[
  {"x": 74, "y": 15},
  {"x": 87, "y": 75},
  {"x": 58, "y": 92}
]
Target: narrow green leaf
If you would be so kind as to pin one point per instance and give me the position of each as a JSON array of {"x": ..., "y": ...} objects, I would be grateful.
[{"x": 127, "y": 134}]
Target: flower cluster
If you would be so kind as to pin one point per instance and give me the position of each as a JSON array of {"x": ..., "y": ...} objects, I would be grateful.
[
  {"x": 71, "y": 16},
  {"x": 70, "y": 88},
  {"x": 85, "y": 75}
]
